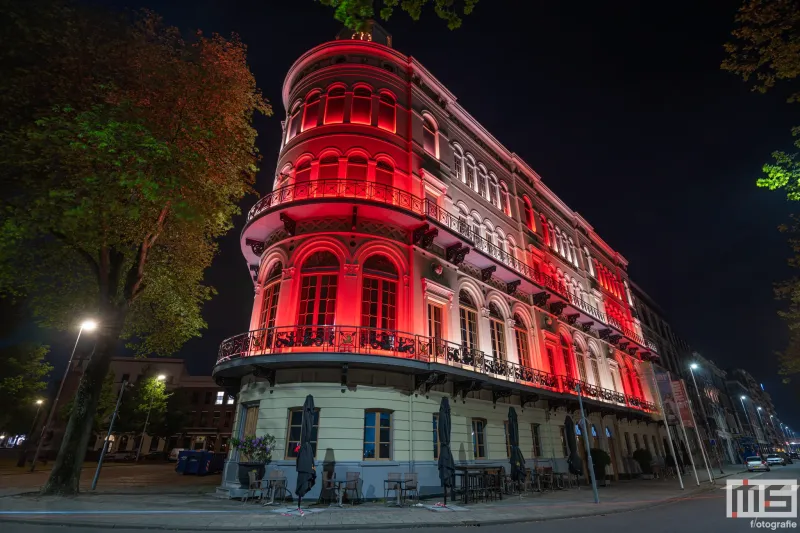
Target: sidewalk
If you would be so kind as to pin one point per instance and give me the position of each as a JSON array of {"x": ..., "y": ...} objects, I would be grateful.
[{"x": 204, "y": 512}]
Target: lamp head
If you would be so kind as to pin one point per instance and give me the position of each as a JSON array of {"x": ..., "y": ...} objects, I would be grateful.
[
  {"x": 693, "y": 366},
  {"x": 161, "y": 377},
  {"x": 89, "y": 325},
  {"x": 743, "y": 398},
  {"x": 758, "y": 408},
  {"x": 39, "y": 402}
]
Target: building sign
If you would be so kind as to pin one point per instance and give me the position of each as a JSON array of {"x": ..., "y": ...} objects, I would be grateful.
[
  {"x": 761, "y": 498},
  {"x": 667, "y": 396},
  {"x": 682, "y": 400}
]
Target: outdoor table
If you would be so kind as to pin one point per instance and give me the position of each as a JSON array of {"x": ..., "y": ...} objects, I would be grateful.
[
  {"x": 339, "y": 491},
  {"x": 399, "y": 489},
  {"x": 273, "y": 483},
  {"x": 467, "y": 472}
]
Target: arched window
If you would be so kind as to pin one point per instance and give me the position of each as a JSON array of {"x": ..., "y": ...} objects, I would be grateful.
[
  {"x": 384, "y": 173},
  {"x": 613, "y": 371},
  {"x": 494, "y": 191},
  {"x": 545, "y": 230},
  {"x": 580, "y": 356},
  {"x": 482, "y": 181},
  {"x": 329, "y": 167},
  {"x": 505, "y": 199},
  {"x": 311, "y": 111},
  {"x": 302, "y": 173},
  {"x": 379, "y": 294},
  {"x": 386, "y": 112},
  {"x": 569, "y": 369},
  {"x": 638, "y": 380},
  {"x": 573, "y": 251},
  {"x": 628, "y": 295},
  {"x": 269, "y": 300},
  {"x": 521, "y": 336},
  {"x": 553, "y": 236},
  {"x": 529, "y": 223},
  {"x": 334, "y": 106},
  {"x": 357, "y": 168},
  {"x": 430, "y": 141},
  {"x": 497, "y": 329},
  {"x": 458, "y": 163},
  {"x": 470, "y": 172},
  {"x": 318, "y": 288},
  {"x": 294, "y": 121},
  {"x": 595, "y": 366},
  {"x": 361, "y": 112},
  {"x": 589, "y": 261},
  {"x": 468, "y": 317}
]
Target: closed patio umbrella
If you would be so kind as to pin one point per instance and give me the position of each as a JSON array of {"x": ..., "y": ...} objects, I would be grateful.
[
  {"x": 447, "y": 467},
  {"x": 517, "y": 460},
  {"x": 306, "y": 474},
  {"x": 574, "y": 460}
]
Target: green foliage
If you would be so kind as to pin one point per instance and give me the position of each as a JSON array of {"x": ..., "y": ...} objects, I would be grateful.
[
  {"x": 356, "y": 13},
  {"x": 645, "y": 459},
  {"x": 105, "y": 408},
  {"x": 147, "y": 394},
  {"x": 23, "y": 379}
]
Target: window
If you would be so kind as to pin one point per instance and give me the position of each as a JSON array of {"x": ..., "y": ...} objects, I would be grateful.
[
  {"x": 220, "y": 398},
  {"x": 231, "y": 400},
  {"x": 386, "y": 112},
  {"x": 508, "y": 443},
  {"x": 384, "y": 175},
  {"x": 228, "y": 416},
  {"x": 379, "y": 294},
  {"x": 311, "y": 111},
  {"x": 636, "y": 441},
  {"x": 429, "y": 135},
  {"x": 468, "y": 315},
  {"x": 215, "y": 419},
  {"x": 608, "y": 433},
  {"x": 569, "y": 371},
  {"x": 435, "y": 313},
  {"x": 329, "y": 168},
  {"x": 334, "y": 106},
  {"x": 207, "y": 399},
  {"x": 362, "y": 106},
  {"x": 614, "y": 373},
  {"x": 302, "y": 173},
  {"x": 203, "y": 418},
  {"x": 521, "y": 337},
  {"x": 595, "y": 367},
  {"x": 536, "y": 438},
  {"x": 377, "y": 435},
  {"x": 318, "y": 290},
  {"x": 494, "y": 191},
  {"x": 435, "y": 435},
  {"x": 269, "y": 298},
  {"x": 192, "y": 419},
  {"x": 497, "y": 330},
  {"x": 551, "y": 360},
  {"x": 294, "y": 432},
  {"x": 579, "y": 355},
  {"x": 564, "y": 447},
  {"x": 589, "y": 261},
  {"x": 479, "y": 438},
  {"x": 357, "y": 168},
  {"x": 482, "y": 181},
  {"x": 470, "y": 167},
  {"x": 504, "y": 199},
  {"x": 529, "y": 223},
  {"x": 628, "y": 442},
  {"x": 574, "y": 252},
  {"x": 595, "y": 442},
  {"x": 655, "y": 444},
  {"x": 294, "y": 122},
  {"x": 458, "y": 162},
  {"x": 195, "y": 397}
]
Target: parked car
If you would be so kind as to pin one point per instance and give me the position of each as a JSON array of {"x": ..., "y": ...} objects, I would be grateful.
[
  {"x": 794, "y": 455},
  {"x": 755, "y": 463},
  {"x": 120, "y": 456},
  {"x": 787, "y": 458},
  {"x": 775, "y": 459},
  {"x": 173, "y": 455}
]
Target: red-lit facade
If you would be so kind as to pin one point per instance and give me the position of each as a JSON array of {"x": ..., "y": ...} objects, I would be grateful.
[{"x": 404, "y": 254}]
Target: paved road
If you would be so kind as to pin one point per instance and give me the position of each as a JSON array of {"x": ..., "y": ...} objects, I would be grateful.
[{"x": 702, "y": 513}]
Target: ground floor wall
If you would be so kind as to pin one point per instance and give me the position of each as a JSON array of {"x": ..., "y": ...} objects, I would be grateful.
[{"x": 407, "y": 435}]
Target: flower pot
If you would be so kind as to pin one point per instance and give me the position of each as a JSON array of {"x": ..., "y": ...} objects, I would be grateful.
[{"x": 246, "y": 468}]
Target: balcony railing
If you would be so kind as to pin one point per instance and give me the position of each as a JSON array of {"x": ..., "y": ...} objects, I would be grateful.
[
  {"x": 333, "y": 189},
  {"x": 390, "y": 343}
]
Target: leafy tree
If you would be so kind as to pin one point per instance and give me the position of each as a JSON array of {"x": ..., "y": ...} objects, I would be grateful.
[
  {"x": 356, "y": 13},
  {"x": 173, "y": 420},
  {"x": 765, "y": 53},
  {"x": 23, "y": 378},
  {"x": 105, "y": 406},
  {"x": 125, "y": 151},
  {"x": 147, "y": 394}
]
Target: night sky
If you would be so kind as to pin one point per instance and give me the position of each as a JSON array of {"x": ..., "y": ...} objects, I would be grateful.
[{"x": 621, "y": 109}]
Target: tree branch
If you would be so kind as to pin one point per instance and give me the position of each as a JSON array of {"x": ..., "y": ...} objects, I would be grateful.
[
  {"x": 133, "y": 284},
  {"x": 91, "y": 262}
]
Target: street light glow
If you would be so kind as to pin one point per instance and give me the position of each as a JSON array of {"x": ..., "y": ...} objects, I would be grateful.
[
  {"x": 39, "y": 402},
  {"x": 693, "y": 366},
  {"x": 161, "y": 377},
  {"x": 743, "y": 397},
  {"x": 89, "y": 325},
  {"x": 759, "y": 408}
]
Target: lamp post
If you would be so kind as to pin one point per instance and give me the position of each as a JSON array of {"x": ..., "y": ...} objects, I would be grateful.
[
  {"x": 761, "y": 423},
  {"x": 36, "y": 416},
  {"x": 692, "y": 368},
  {"x": 161, "y": 377},
  {"x": 749, "y": 423},
  {"x": 108, "y": 436},
  {"x": 88, "y": 325}
]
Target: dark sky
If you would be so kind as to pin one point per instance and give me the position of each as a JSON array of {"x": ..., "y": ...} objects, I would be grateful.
[{"x": 623, "y": 111}]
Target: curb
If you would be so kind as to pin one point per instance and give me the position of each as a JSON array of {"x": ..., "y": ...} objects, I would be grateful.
[{"x": 351, "y": 527}]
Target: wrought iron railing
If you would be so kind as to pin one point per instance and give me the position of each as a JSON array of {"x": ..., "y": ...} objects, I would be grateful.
[
  {"x": 339, "y": 188},
  {"x": 391, "y": 343},
  {"x": 586, "y": 307}
]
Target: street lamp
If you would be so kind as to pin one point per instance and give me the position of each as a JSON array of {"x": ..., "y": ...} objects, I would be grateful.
[
  {"x": 122, "y": 388},
  {"x": 749, "y": 423},
  {"x": 692, "y": 368},
  {"x": 761, "y": 422},
  {"x": 88, "y": 325},
  {"x": 159, "y": 378},
  {"x": 35, "y": 417}
]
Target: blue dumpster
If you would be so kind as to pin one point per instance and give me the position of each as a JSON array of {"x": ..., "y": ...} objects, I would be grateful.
[
  {"x": 183, "y": 459},
  {"x": 209, "y": 463},
  {"x": 193, "y": 461}
]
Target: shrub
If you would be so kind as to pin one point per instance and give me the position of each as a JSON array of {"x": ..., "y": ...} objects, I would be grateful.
[{"x": 644, "y": 458}]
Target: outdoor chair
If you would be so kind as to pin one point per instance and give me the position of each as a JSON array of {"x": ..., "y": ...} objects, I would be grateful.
[
  {"x": 254, "y": 486},
  {"x": 328, "y": 492},
  {"x": 276, "y": 485},
  {"x": 351, "y": 486},
  {"x": 492, "y": 483},
  {"x": 545, "y": 475},
  {"x": 391, "y": 485},
  {"x": 411, "y": 487}
]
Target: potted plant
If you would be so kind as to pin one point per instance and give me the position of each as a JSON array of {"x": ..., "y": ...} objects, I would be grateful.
[
  {"x": 645, "y": 460},
  {"x": 600, "y": 460},
  {"x": 254, "y": 454}
]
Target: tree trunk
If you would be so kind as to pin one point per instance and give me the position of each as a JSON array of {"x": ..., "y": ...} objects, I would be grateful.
[{"x": 65, "y": 476}]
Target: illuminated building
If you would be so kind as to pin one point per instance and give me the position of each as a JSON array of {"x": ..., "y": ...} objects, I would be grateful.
[{"x": 404, "y": 254}]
